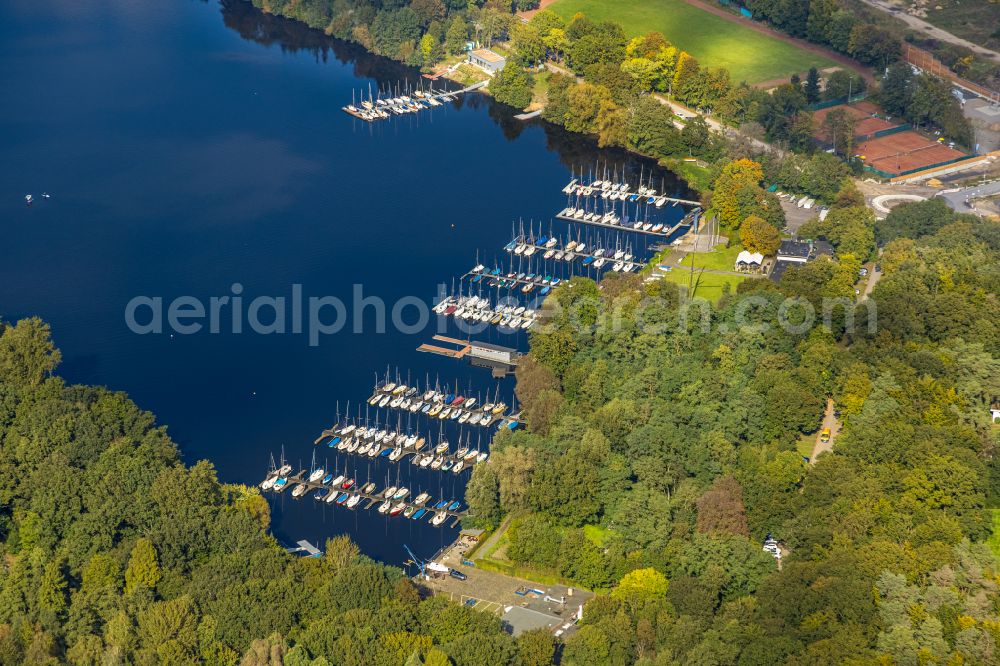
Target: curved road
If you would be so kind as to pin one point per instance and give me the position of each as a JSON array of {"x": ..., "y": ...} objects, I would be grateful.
[{"x": 937, "y": 33}]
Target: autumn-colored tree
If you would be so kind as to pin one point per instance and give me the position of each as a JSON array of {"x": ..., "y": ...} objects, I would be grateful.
[
  {"x": 341, "y": 552},
  {"x": 721, "y": 509},
  {"x": 685, "y": 72},
  {"x": 737, "y": 192},
  {"x": 759, "y": 236}
]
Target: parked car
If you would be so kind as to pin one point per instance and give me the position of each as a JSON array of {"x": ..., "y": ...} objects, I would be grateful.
[{"x": 455, "y": 573}]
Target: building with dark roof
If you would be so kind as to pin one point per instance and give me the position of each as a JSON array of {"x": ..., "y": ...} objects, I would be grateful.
[{"x": 795, "y": 251}]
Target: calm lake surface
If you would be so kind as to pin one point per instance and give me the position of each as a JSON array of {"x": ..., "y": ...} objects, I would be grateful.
[{"x": 188, "y": 146}]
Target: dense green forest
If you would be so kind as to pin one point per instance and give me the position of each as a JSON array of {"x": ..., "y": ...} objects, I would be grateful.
[
  {"x": 113, "y": 552},
  {"x": 662, "y": 449}
]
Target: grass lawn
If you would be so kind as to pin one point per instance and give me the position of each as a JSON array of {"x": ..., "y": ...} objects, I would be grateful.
[
  {"x": 714, "y": 41},
  {"x": 540, "y": 90},
  {"x": 994, "y": 541},
  {"x": 805, "y": 445},
  {"x": 699, "y": 178},
  {"x": 706, "y": 285},
  {"x": 721, "y": 258},
  {"x": 495, "y": 559}
]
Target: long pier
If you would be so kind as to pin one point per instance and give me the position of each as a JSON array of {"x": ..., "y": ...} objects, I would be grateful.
[
  {"x": 378, "y": 108},
  {"x": 637, "y": 227},
  {"x": 383, "y": 450},
  {"x": 473, "y": 412},
  {"x": 623, "y": 193},
  {"x": 371, "y": 498}
]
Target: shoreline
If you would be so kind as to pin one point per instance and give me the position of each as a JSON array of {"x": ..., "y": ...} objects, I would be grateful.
[{"x": 665, "y": 163}]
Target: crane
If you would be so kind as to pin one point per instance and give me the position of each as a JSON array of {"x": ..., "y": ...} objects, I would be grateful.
[{"x": 416, "y": 560}]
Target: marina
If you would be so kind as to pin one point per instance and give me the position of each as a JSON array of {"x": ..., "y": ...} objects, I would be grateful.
[
  {"x": 619, "y": 258},
  {"x": 481, "y": 310},
  {"x": 343, "y": 491},
  {"x": 395, "y": 445},
  {"x": 435, "y": 403},
  {"x": 384, "y": 105},
  {"x": 283, "y": 171},
  {"x": 614, "y": 203}
]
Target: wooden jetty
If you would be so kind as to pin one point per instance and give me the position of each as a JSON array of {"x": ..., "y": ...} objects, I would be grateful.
[{"x": 462, "y": 349}]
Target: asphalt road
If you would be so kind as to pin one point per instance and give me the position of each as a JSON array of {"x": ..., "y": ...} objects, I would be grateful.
[{"x": 959, "y": 201}]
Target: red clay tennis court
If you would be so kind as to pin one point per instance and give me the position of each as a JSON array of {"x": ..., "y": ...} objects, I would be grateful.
[
  {"x": 862, "y": 111},
  {"x": 904, "y": 152}
]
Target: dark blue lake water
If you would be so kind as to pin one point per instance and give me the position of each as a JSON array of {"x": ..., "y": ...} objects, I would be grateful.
[{"x": 188, "y": 146}]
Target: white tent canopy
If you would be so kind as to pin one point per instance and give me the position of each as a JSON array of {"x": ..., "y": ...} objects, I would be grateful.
[{"x": 746, "y": 257}]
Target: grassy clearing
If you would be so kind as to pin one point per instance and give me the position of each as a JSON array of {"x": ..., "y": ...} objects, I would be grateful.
[
  {"x": 494, "y": 559},
  {"x": 540, "y": 91},
  {"x": 721, "y": 258},
  {"x": 714, "y": 41},
  {"x": 805, "y": 445},
  {"x": 709, "y": 286},
  {"x": 699, "y": 178},
  {"x": 597, "y": 534},
  {"x": 994, "y": 541},
  {"x": 526, "y": 573}
]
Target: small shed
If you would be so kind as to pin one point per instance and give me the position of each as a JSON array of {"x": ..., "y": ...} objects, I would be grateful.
[{"x": 489, "y": 61}]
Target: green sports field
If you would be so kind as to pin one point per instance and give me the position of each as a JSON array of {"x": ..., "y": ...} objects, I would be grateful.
[{"x": 714, "y": 41}]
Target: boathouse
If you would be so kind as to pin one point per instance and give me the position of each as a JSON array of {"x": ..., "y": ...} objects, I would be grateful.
[
  {"x": 494, "y": 353},
  {"x": 489, "y": 61}
]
